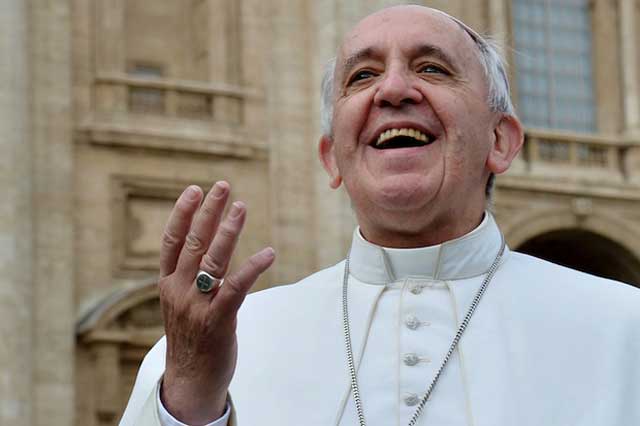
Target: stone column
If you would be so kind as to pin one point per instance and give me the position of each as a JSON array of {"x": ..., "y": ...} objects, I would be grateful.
[
  {"x": 219, "y": 53},
  {"x": 333, "y": 218},
  {"x": 291, "y": 146},
  {"x": 16, "y": 230},
  {"x": 52, "y": 213},
  {"x": 629, "y": 56},
  {"x": 499, "y": 19},
  {"x": 224, "y": 53},
  {"x": 110, "y": 55},
  {"x": 107, "y": 373},
  {"x": 606, "y": 66}
]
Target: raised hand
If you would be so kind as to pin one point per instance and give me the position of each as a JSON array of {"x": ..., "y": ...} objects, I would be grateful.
[{"x": 201, "y": 327}]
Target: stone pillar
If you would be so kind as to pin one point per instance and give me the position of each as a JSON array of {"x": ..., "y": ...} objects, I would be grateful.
[
  {"x": 224, "y": 53},
  {"x": 499, "y": 27},
  {"x": 220, "y": 52},
  {"x": 52, "y": 212},
  {"x": 224, "y": 41},
  {"x": 252, "y": 58},
  {"x": 332, "y": 214},
  {"x": 291, "y": 146},
  {"x": 110, "y": 55},
  {"x": 107, "y": 373},
  {"x": 606, "y": 65},
  {"x": 499, "y": 19},
  {"x": 629, "y": 56},
  {"x": 16, "y": 230}
]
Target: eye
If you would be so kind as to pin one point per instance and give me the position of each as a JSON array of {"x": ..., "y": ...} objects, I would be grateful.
[
  {"x": 361, "y": 75},
  {"x": 433, "y": 69}
]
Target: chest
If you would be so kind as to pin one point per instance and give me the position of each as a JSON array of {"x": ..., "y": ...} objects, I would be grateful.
[{"x": 292, "y": 367}]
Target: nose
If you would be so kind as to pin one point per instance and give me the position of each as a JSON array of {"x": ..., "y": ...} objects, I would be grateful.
[{"x": 397, "y": 89}]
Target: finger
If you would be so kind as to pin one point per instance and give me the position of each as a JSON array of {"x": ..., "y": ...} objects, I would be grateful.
[
  {"x": 237, "y": 284},
  {"x": 216, "y": 260},
  {"x": 177, "y": 227},
  {"x": 202, "y": 230}
]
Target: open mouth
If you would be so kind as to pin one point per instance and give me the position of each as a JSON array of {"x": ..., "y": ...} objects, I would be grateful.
[{"x": 402, "y": 138}]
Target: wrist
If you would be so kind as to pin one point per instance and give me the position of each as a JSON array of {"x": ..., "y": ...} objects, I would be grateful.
[{"x": 192, "y": 402}]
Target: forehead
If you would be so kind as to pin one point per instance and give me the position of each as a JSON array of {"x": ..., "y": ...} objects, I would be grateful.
[{"x": 404, "y": 28}]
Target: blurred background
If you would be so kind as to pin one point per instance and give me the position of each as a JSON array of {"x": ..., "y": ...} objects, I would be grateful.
[{"x": 109, "y": 108}]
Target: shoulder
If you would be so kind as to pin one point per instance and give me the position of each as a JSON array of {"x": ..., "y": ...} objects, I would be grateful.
[
  {"x": 555, "y": 283},
  {"x": 299, "y": 305},
  {"x": 307, "y": 289},
  {"x": 273, "y": 317}
]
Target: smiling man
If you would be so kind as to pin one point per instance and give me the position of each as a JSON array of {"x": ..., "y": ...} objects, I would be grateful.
[
  {"x": 430, "y": 320},
  {"x": 410, "y": 71}
]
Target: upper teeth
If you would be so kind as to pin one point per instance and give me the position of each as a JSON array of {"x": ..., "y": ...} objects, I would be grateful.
[{"x": 392, "y": 133}]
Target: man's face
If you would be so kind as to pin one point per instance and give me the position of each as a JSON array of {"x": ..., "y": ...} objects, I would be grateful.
[{"x": 416, "y": 71}]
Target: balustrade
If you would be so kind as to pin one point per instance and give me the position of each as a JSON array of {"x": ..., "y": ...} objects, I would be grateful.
[
  {"x": 577, "y": 156},
  {"x": 172, "y": 98}
]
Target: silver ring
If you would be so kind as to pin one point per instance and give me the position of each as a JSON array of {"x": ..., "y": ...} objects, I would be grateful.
[{"x": 206, "y": 282}]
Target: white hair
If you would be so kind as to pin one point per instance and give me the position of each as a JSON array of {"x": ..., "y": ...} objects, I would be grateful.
[{"x": 493, "y": 65}]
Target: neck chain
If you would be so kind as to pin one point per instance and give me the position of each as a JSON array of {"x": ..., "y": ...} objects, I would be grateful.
[{"x": 463, "y": 325}]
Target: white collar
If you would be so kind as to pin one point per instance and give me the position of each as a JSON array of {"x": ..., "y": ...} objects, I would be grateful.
[{"x": 464, "y": 257}]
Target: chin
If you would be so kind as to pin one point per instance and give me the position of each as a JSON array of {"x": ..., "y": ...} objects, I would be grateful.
[{"x": 404, "y": 195}]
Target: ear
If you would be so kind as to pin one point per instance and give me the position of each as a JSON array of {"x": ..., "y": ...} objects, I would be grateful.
[
  {"x": 508, "y": 140},
  {"x": 327, "y": 156}
]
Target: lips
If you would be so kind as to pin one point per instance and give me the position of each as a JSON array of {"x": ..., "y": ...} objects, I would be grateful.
[{"x": 402, "y": 137}]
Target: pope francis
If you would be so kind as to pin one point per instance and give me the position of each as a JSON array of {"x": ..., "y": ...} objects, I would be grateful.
[{"x": 430, "y": 320}]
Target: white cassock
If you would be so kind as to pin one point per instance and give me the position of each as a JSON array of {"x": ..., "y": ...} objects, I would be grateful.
[{"x": 546, "y": 346}]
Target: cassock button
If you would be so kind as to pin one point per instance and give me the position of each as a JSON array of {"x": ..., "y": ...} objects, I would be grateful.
[
  {"x": 411, "y": 399},
  {"x": 411, "y": 359},
  {"x": 412, "y": 322},
  {"x": 416, "y": 289}
]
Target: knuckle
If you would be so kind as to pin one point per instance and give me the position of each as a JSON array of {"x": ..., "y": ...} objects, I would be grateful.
[
  {"x": 234, "y": 286},
  {"x": 167, "y": 303},
  {"x": 166, "y": 291},
  {"x": 163, "y": 286},
  {"x": 227, "y": 231},
  {"x": 169, "y": 239},
  {"x": 182, "y": 208},
  {"x": 212, "y": 265},
  {"x": 162, "y": 292},
  {"x": 209, "y": 210},
  {"x": 193, "y": 243},
  {"x": 182, "y": 211},
  {"x": 254, "y": 263}
]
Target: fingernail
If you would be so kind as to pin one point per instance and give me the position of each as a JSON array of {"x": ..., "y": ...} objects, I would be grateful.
[
  {"x": 192, "y": 192},
  {"x": 269, "y": 252},
  {"x": 219, "y": 189},
  {"x": 236, "y": 209}
]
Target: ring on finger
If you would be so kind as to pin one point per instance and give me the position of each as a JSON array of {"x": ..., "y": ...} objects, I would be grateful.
[{"x": 205, "y": 282}]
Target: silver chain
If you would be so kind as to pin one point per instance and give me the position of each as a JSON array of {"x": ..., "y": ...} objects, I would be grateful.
[{"x": 463, "y": 325}]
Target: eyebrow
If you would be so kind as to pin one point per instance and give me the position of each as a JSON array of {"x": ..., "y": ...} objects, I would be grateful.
[
  {"x": 352, "y": 60},
  {"x": 421, "y": 50},
  {"x": 434, "y": 52}
]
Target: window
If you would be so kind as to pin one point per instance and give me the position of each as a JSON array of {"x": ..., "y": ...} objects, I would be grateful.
[
  {"x": 554, "y": 64},
  {"x": 146, "y": 100}
]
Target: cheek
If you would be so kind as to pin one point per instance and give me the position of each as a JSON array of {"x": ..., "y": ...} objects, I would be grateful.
[
  {"x": 350, "y": 112},
  {"x": 467, "y": 124},
  {"x": 468, "y": 138}
]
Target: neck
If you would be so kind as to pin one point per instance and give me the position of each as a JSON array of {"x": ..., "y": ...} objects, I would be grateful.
[{"x": 404, "y": 234}]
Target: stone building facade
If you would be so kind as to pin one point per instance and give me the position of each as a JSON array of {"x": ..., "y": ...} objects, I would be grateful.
[{"x": 109, "y": 108}]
